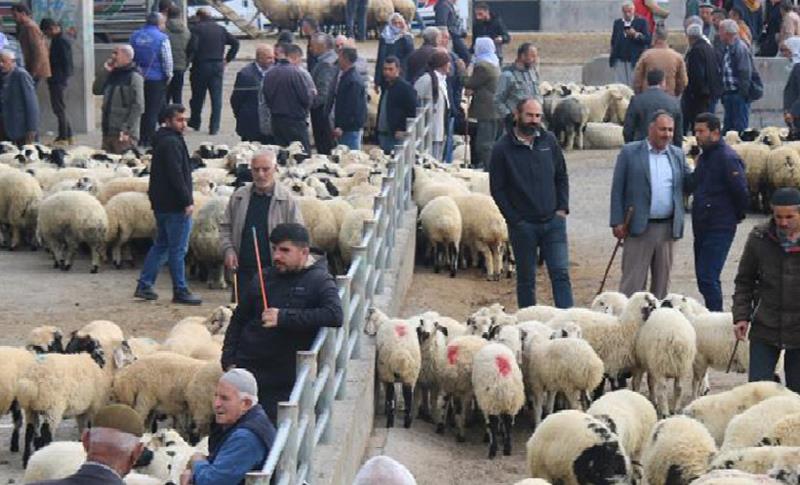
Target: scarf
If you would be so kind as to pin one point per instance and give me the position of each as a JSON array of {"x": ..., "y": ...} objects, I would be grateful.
[
  {"x": 486, "y": 51},
  {"x": 752, "y": 5},
  {"x": 793, "y": 44},
  {"x": 390, "y": 33}
]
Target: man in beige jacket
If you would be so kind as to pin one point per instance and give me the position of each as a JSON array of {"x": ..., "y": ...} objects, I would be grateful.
[
  {"x": 262, "y": 204},
  {"x": 661, "y": 56}
]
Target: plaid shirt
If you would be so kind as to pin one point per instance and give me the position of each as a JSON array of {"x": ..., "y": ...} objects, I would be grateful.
[{"x": 729, "y": 81}]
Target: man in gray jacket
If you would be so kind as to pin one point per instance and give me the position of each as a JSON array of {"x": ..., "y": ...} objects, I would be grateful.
[
  {"x": 262, "y": 204},
  {"x": 517, "y": 82},
  {"x": 650, "y": 178},
  {"x": 122, "y": 88},
  {"x": 644, "y": 104},
  {"x": 19, "y": 103}
]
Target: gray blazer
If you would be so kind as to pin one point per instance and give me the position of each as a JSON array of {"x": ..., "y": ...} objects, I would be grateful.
[
  {"x": 641, "y": 109},
  {"x": 631, "y": 187}
]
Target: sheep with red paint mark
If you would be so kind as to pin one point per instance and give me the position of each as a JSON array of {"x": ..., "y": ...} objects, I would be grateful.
[{"x": 455, "y": 379}]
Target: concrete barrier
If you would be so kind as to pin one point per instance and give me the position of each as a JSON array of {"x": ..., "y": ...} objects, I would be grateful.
[{"x": 594, "y": 15}]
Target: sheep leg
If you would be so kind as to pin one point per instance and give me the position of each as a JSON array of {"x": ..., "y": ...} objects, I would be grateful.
[
  {"x": 507, "y": 423},
  {"x": 483, "y": 249},
  {"x": 16, "y": 236},
  {"x": 437, "y": 256},
  {"x": 30, "y": 430},
  {"x": 420, "y": 403},
  {"x": 461, "y": 420},
  {"x": 441, "y": 403},
  {"x": 537, "y": 405},
  {"x": 636, "y": 380},
  {"x": 573, "y": 399},
  {"x": 497, "y": 254},
  {"x": 97, "y": 257},
  {"x": 580, "y": 137},
  {"x": 389, "y": 404},
  {"x": 16, "y": 415},
  {"x": 116, "y": 255},
  {"x": 453, "y": 259},
  {"x": 408, "y": 402},
  {"x": 677, "y": 395},
  {"x": 493, "y": 432},
  {"x": 551, "y": 402}
]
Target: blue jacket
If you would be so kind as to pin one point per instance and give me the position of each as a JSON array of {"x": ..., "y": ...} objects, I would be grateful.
[
  {"x": 147, "y": 44},
  {"x": 626, "y": 49},
  {"x": 631, "y": 187},
  {"x": 350, "y": 113},
  {"x": 244, "y": 101},
  {"x": 20, "y": 106},
  {"x": 720, "y": 189}
]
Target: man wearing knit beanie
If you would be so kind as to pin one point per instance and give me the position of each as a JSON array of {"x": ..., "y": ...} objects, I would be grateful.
[{"x": 767, "y": 296}]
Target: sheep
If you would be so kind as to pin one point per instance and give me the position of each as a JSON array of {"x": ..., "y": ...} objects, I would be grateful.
[
  {"x": 67, "y": 219},
  {"x": 205, "y": 178},
  {"x": 484, "y": 231},
  {"x": 749, "y": 427},
  {"x": 569, "y": 121},
  {"x": 426, "y": 193},
  {"x": 715, "y": 345},
  {"x": 217, "y": 322},
  {"x": 716, "y": 411},
  {"x": 771, "y": 136},
  {"x": 432, "y": 344},
  {"x": 499, "y": 392},
  {"x": 104, "y": 333},
  {"x": 754, "y": 156},
  {"x": 678, "y": 450},
  {"x": 611, "y": 302},
  {"x": 200, "y": 398},
  {"x": 399, "y": 360},
  {"x": 734, "y": 477},
  {"x": 130, "y": 216},
  {"x": 570, "y": 447},
  {"x": 783, "y": 169},
  {"x": 351, "y": 232},
  {"x": 628, "y": 414},
  {"x": 690, "y": 307},
  {"x": 140, "y": 479},
  {"x": 57, "y": 460},
  {"x": 455, "y": 379},
  {"x": 539, "y": 313},
  {"x": 187, "y": 337},
  {"x": 20, "y": 196},
  {"x": 603, "y": 136},
  {"x": 784, "y": 432},
  {"x": 114, "y": 187},
  {"x": 441, "y": 222},
  {"x": 141, "y": 346},
  {"x": 321, "y": 223},
  {"x": 204, "y": 240},
  {"x": 510, "y": 336},
  {"x": 665, "y": 348},
  {"x": 774, "y": 460},
  {"x": 45, "y": 339},
  {"x": 14, "y": 364}
]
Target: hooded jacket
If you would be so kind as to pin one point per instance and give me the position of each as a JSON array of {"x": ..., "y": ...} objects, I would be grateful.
[{"x": 170, "y": 173}]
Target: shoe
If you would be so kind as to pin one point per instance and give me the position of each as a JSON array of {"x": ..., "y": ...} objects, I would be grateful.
[
  {"x": 145, "y": 293},
  {"x": 194, "y": 126},
  {"x": 186, "y": 298}
]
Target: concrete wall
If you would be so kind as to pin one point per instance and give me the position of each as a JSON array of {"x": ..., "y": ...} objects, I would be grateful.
[{"x": 594, "y": 15}]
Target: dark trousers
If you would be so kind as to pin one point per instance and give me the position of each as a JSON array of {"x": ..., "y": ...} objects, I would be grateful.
[
  {"x": 244, "y": 278},
  {"x": 764, "y": 357},
  {"x": 710, "y": 251},
  {"x": 321, "y": 126},
  {"x": 268, "y": 395},
  {"x": 737, "y": 112},
  {"x": 551, "y": 239},
  {"x": 387, "y": 142},
  {"x": 175, "y": 88},
  {"x": 60, "y": 109},
  {"x": 691, "y": 108},
  {"x": 460, "y": 48},
  {"x": 356, "y": 19},
  {"x": 286, "y": 130},
  {"x": 154, "y": 93},
  {"x": 206, "y": 76}
]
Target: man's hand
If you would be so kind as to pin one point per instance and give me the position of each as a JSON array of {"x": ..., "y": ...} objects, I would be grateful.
[
  {"x": 124, "y": 136},
  {"x": 620, "y": 232},
  {"x": 188, "y": 210},
  {"x": 109, "y": 65},
  {"x": 270, "y": 317},
  {"x": 337, "y": 132},
  {"x": 740, "y": 329},
  {"x": 197, "y": 457},
  {"x": 186, "y": 477},
  {"x": 561, "y": 213},
  {"x": 231, "y": 261}
]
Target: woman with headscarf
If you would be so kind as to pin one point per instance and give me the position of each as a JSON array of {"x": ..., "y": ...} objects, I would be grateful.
[
  {"x": 483, "y": 84},
  {"x": 432, "y": 86},
  {"x": 751, "y": 13},
  {"x": 395, "y": 40},
  {"x": 790, "y": 48}
]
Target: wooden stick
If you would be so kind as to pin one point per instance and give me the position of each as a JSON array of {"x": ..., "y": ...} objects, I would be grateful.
[
  {"x": 260, "y": 271},
  {"x": 236, "y": 288},
  {"x": 628, "y": 216},
  {"x": 733, "y": 354}
]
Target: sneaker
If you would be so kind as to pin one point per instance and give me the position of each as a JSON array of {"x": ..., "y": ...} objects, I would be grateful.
[
  {"x": 186, "y": 298},
  {"x": 145, "y": 293}
]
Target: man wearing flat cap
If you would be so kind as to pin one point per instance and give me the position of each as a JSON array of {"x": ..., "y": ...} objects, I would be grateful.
[
  {"x": 112, "y": 448},
  {"x": 301, "y": 296},
  {"x": 767, "y": 295}
]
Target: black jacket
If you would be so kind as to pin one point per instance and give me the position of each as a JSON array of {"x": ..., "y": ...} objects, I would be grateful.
[
  {"x": 60, "y": 60},
  {"x": 641, "y": 109},
  {"x": 244, "y": 102},
  {"x": 170, "y": 173},
  {"x": 417, "y": 62},
  {"x": 624, "y": 48},
  {"x": 402, "y": 48},
  {"x": 529, "y": 183},
  {"x": 492, "y": 28},
  {"x": 791, "y": 92},
  {"x": 208, "y": 41},
  {"x": 445, "y": 15},
  {"x": 401, "y": 103},
  {"x": 702, "y": 68},
  {"x": 308, "y": 300},
  {"x": 351, "y": 102},
  {"x": 87, "y": 474},
  {"x": 720, "y": 189}
]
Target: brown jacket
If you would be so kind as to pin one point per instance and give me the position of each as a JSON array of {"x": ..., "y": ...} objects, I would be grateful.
[
  {"x": 668, "y": 61},
  {"x": 282, "y": 208},
  {"x": 768, "y": 288},
  {"x": 34, "y": 49}
]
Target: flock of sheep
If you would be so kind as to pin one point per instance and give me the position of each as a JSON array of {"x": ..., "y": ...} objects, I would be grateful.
[
  {"x": 287, "y": 15},
  {"x": 497, "y": 362}
]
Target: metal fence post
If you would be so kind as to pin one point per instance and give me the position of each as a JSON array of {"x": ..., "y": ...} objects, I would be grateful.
[
  {"x": 307, "y": 409},
  {"x": 287, "y": 465},
  {"x": 343, "y": 282}
]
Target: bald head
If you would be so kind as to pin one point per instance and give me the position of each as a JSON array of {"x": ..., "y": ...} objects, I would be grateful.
[{"x": 265, "y": 55}]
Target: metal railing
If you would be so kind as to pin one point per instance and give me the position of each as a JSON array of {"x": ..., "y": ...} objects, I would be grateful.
[{"x": 304, "y": 421}]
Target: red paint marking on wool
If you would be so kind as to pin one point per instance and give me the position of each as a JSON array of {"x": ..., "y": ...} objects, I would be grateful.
[
  {"x": 503, "y": 365},
  {"x": 452, "y": 354},
  {"x": 400, "y": 330}
]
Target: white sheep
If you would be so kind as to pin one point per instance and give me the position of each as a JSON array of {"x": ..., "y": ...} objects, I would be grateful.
[
  {"x": 204, "y": 241},
  {"x": 678, "y": 450},
  {"x": 14, "y": 364},
  {"x": 775, "y": 460},
  {"x": 44, "y": 339},
  {"x": 441, "y": 222},
  {"x": 130, "y": 216},
  {"x": 499, "y": 392},
  {"x": 784, "y": 432},
  {"x": 538, "y": 313},
  {"x": 455, "y": 379},
  {"x": 510, "y": 336},
  {"x": 188, "y": 337},
  {"x": 115, "y": 186},
  {"x": 749, "y": 427},
  {"x": 715, "y": 345},
  {"x": 140, "y": 479},
  {"x": 20, "y": 196},
  {"x": 783, "y": 168},
  {"x": 603, "y": 136},
  {"x": 611, "y": 302},
  {"x": 690, "y": 307},
  {"x": 55, "y": 461},
  {"x": 321, "y": 223},
  {"x": 141, "y": 346},
  {"x": 105, "y": 333},
  {"x": 573, "y": 448},
  {"x": 200, "y": 398},
  {"x": 67, "y": 219},
  {"x": 351, "y": 232},
  {"x": 628, "y": 414},
  {"x": 734, "y": 477},
  {"x": 484, "y": 231},
  {"x": 532, "y": 481},
  {"x": 754, "y": 156}
]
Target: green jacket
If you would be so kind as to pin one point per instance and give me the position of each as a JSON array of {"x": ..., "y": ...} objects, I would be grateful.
[
  {"x": 123, "y": 99},
  {"x": 179, "y": 37},
  {"x": 483, "y": 83},
  {"x": 767, "y": 290}
]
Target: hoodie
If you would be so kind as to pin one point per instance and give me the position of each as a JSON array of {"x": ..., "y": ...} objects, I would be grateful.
[{"x": 170, "y": 173}]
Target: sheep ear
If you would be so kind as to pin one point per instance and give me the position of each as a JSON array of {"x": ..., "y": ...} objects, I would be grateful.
[{"x": 441, "y": 329}]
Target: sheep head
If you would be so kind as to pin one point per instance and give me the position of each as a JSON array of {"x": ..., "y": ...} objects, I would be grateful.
[
  {"x": 375, "y": 318},
  {"x": 80, "y": 343},
  {"x": 45, "y": 339},
  {"x": 219, "y": 319},
  {"x": 123, "y": 355},
  {"x": 640, "y": 306}
]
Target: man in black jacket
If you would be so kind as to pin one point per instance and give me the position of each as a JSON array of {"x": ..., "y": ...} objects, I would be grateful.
[
  {"x": 705, "y": 81},
  {"x": 246, "y": 100},
  {"x": 646, "y": 103},
  {"x": 61, "y": 68},
  {"x": 350, "y": 109},
  {"x": 528, "y": 181},
  {"x": 289, "y": 92},
  {"x": 447, "y": 16},
  {"x": 170, "y": 194},
  {"x": 488, "y": 24},
  {"x": 629, "y": 38},
  {"x": 397, "y": 103},
  {"x": 302, "y": 297},
  {"x": 324, "y": 76}
]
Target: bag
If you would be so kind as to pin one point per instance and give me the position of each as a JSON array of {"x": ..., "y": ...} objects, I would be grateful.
[{"x": 756, "y": 84}]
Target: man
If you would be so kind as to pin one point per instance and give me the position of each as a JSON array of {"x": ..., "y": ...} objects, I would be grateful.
[
  {"x": 242, "y": 437},
  {"x": 246, "y": 98},
  {"x": 262, "y": 204},
  {"x": 417, "y": 62},
  {"x": 644, "y": 104},
  {"x": 384, "y": 470},
  {"x": 288, "y": 92},
  {"x": 716, "y": 19},
  {"x": 324, "y": 76},
  {"x": 447, "y": 16},
  {"x": 308, "y": 29},
  {"x": 361, "y": 63},
  {"x": 488, "y": 24},
  {"x": 629, "y": 38},
  {"x": 356, "y": 19},
  {"x": 768, "y": 44},
  {"x": 179, "y": 37},
  {"x": 20, "y": 106},
  {"x": 455, "y": 91},
  {"x": 516, "y": 83},
  {"x": 31, "y": 40},
  {"x": 737, "y": 73},
  {"x": 350, "y": 108},
  {"x": 705, "y": 83},
  {"x": 651, "y": 177},
  {"x": 170, "y": 194},
  {"x": 112, "y": 447},
  {"x": 207, "y": 52},
  {"x": 529, "y": 183},
  {"x": 661, "y": 56},
  {"x": 790, "y": 21},
  {"x": 397, "y": 103},
  {"x": 122, "y": 88},
  {"x": 153, "y": 55},
  {"x": 303, "y": 297},
  {"x": 766, "y": 293},
  {"x": 720, "y": 201},
  {"x": 706, "y": 14},
  {"x": 61, "y": 68}
]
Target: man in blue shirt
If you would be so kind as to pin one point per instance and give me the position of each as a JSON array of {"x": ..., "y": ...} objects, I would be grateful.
[
  {"x": 153, "y": 55},
  {"x": 241, "y": 439}
]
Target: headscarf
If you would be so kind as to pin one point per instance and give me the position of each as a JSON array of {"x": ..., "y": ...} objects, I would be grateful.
[
  {"x": 390, "y": 33},
  {"x": 486, "y": 51},
  {"x": 793, "y": 44},
  {"x": 752, "y": 5}
]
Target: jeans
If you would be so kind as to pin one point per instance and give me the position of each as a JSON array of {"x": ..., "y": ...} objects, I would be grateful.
[
  {"x": 387, "y": 142},
  {"x": 172, "y": 241},
  {"x": 206, "y": 76},
  {"x": 60, "y": 109},
  {"x": 764, "y": 357},
  {"x": 352, "y": 139},
  {"x": 737, "y": 112},
  {"x": 356, "y": 19},
  {"x": 710, "y": 251},
  {"x": 448, "y": 141},
  {"x": 286, "y": 130},
  {"x": 154, "y": 92},
  {"x": 550, "y": 238},
  {"x": 175, "y": 88}
]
